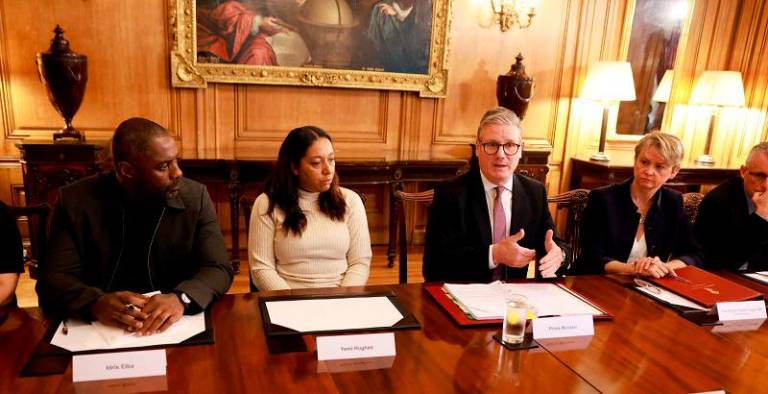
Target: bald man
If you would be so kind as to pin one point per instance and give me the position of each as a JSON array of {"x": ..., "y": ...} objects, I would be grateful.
[
  {"x": 141, "y": 228},
  {"x": 732, "y": 224}
]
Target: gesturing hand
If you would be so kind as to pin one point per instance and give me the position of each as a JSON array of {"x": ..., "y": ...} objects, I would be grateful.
[
  {"x": 120, "y": 309},
  {"x": 549, "y": 264},
  {"x": 509, "y": 252},
  {"x": 162, "y": 311}
]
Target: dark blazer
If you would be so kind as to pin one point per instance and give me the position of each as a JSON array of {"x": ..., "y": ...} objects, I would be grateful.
[
  {"x": 610, "y": 222},
  {"x": 459, "y": 229},
  {"x": 728, "y": 234},
  {"x": 11, "y": 249},
  {"x": 86, "y": 239}
]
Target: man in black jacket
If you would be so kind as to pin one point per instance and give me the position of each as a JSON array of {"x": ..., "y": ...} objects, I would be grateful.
[
  {"x": 732, "y": 224},
  {"x": 141, "y": 228},
  {"x": 490, "y": 222}
]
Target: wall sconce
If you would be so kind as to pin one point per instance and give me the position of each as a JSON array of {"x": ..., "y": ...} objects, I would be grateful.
[
  {"x": 513, "y": 12},
  {"x": 608, "y": 83},
  {"x": 716, "y": 89}
]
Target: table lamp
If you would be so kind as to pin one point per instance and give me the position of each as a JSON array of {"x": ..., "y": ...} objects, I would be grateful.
[
  {"x": 608, "y": 83},
  {"x": 664, "y": 89},
  {"x": 716, "y": 89}
]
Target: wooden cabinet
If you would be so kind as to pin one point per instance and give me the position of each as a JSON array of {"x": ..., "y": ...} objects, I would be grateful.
[{"x": 46, "y": 167}]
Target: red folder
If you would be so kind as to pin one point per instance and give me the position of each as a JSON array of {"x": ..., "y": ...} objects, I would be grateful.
[{"x": 705, "y": 287}]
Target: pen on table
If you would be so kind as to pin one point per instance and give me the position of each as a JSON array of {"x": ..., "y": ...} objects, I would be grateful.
[{"x": 64, "y": 328}]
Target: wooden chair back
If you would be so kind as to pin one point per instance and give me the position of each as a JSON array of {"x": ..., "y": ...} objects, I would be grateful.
[
  {"x": 37, "y": 217},
  {"x": 575, "y": 201},
  {"x": 691, "y": 202},
  {"x": 401, "y": 197}
]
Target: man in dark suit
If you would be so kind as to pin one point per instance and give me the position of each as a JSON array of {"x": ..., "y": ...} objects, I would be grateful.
[
  {"x": 732, "y": 224},
  {"x": 490, "y": 222},
  {"x": 118, "y": 237}
]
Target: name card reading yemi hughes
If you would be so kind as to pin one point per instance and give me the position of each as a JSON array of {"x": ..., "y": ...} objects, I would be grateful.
[{"x": 340, "y": 347}]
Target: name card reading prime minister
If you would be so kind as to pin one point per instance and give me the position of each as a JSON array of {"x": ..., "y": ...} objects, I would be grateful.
[
  {"x": 563, "y": 326},
  {"x": 338, "y": 347}
]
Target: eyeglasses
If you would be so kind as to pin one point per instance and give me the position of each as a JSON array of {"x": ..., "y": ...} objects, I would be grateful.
[
  {"x": 760, "y": 176},
  {"x": 509, "y": 148}
]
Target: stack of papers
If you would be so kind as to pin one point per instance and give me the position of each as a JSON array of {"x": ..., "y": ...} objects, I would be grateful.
[
  {"x": 82, "y": 336},
  {"x": 760, "y": 276},
  {"x": 487, "y": 301}
]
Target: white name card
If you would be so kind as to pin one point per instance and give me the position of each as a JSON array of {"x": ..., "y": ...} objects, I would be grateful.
[
  {"x": 743, "y": 310},
  {"x": 106, "y": 366},
  {"x": 563, "y": 326},
  {"x": 339, "y": 347}
]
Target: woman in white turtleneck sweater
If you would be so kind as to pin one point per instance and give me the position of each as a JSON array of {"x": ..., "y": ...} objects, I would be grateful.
[{"x": 305, "y": 230}]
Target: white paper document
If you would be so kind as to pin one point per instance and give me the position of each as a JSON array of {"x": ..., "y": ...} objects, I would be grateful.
[
  {"x": 331, "y": 314},
  {"x": 670, "y": 297},
  {"x": 82, "y": 336},
  {"x": 487, "y": 301},
  {"x": 761, "y": 276}
]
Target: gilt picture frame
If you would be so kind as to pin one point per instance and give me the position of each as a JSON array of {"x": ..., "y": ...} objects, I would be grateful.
[{"x": 368, "y": 44}]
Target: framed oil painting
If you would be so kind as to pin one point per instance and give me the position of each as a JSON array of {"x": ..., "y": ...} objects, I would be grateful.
[{"x": 370, "y": 44}]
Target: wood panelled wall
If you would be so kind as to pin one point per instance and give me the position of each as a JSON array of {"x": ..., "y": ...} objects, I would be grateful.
[{"x": 127, "y": 44}]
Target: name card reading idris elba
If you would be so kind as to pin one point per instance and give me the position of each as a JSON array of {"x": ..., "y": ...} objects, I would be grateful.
[
  {"x": 339, "y": 347},
  {"x": 563, "y": 326},
  {"x": 106, "y": 366}
]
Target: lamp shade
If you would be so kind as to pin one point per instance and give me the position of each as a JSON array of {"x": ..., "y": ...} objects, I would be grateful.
[
  {"x": 720, "y": 88},
  {"x": 664, "y": 89},
  {"x": 609, "y": 81}
]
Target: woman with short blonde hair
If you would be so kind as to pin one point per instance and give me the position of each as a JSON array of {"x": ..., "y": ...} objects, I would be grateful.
[{"x": 639, "y": 227}]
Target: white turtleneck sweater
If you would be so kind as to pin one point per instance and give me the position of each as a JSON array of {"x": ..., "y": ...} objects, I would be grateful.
[{"x": 327, "y": 254}]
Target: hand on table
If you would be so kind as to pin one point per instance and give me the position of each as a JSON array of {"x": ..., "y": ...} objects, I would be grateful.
[
  {"x": 121, "y": 309},
  {"x": 162, "y": 311},
  {"x": 651, "y": 266}
]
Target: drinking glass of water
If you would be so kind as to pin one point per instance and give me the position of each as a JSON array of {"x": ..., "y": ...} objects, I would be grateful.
[{"x": 513, "y": 328}]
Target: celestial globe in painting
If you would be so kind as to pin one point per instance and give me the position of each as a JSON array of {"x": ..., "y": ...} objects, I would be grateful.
[{"x": 327, "y": 27}]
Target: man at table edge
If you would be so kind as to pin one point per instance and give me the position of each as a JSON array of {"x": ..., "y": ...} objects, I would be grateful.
[
  {"x": 137, "y": 229},
  {"x": 732, "y": 222}
]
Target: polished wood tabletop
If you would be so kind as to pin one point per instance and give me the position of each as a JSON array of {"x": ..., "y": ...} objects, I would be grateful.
[{"x": 645, "y": 348}]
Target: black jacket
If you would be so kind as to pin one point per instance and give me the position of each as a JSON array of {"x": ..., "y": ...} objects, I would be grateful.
[
  {"x": 728, "y": 234},
  {"x": 610, "y": 222},
  {"x": 85, "y": 246},
  {"x": 459, "y": 229}
]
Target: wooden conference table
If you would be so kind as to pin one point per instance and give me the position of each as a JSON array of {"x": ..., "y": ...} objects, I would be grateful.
[{"x": 646, "y": 348}]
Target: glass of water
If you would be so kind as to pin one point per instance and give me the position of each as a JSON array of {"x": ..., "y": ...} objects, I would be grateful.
[{"x": 513, "y": 328}]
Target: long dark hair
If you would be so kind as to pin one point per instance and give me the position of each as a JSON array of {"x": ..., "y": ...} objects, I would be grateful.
[{"x": 282, "y": 187}]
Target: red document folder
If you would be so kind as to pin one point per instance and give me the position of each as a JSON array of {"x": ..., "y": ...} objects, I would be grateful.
[{"x": 705, "y": 287}]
